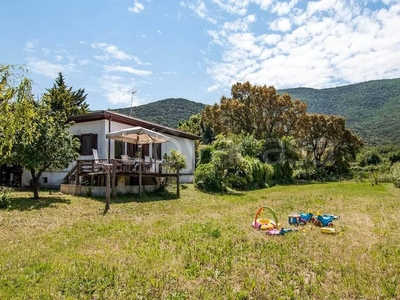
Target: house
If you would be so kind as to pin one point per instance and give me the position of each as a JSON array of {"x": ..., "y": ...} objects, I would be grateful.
[{"x": 91, "y": 129}]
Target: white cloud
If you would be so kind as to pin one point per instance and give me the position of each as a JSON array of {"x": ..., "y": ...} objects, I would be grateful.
[
  {"x": 283, "y": 8},
  {"x": 282, "y": 24},
  {"x": 200, "y": 10},
  {"x": 169, "y": 73},
  {"x": 30, "y": 46},
  {"x": 45, "y": 51},
  {"x": 137, "y": 7},
  {"x": 126, "y": 69},
  {"x": 238, "y": 7},
  {"x": 84, "y": 62},
  {"x": 213, "y": 88},
  {"x": 118, "y": 89},
  {"x": 59, "y": 58},
  {"x": 241, "y": 24},
  {"x": 159, "y": 31},
  {"x": 322, "y": 44},
  {"x": 112, "y": 51},
  {"x": 48, "y": 69}
]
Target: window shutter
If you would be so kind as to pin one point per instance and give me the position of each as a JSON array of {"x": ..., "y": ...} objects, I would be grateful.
[{"x": 94, "y": 141}]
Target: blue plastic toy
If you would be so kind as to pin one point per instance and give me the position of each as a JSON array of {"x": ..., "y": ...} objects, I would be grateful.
[
  {"x": 300, "y": 219},
  {"x": 324, "y": 221}
]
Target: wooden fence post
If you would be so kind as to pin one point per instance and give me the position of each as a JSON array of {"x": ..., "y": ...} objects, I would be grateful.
[
  {"x": 140, "y": 178},
  {"x": 108, "y": 177},
  {"x": 114, "y": 171},
  {"x": 177, "y": 182}
]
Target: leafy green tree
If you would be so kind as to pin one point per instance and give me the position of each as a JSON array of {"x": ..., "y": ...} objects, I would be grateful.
[
  {"x": 62, "y": 98},
  {"x": 51, "y": 147},
  {"x": 256, "y": 110},
  {"x": 327, "y": 141},
  {"x": 14, "y": 87},
  {"x": 31, "y": 134}
]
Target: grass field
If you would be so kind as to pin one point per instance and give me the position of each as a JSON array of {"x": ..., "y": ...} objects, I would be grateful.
[{"x": 202, "y": 246}]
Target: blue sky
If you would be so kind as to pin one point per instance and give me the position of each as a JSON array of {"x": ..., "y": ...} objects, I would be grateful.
[{"x": 196, "y": 49}]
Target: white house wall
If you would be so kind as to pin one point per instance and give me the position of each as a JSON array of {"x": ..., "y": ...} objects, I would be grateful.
[{"x": 55, "y": 178}]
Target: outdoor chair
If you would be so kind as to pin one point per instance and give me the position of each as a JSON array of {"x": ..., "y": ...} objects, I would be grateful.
[
  {"x": 149, "y": 166},
  {"x": 98, "y": 166}
]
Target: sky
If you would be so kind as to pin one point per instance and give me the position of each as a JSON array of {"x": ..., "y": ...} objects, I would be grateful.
[{"x": 134, "y": 52}]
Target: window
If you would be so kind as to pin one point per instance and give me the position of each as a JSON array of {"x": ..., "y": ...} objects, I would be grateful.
[
  {"x": 88, "y": 142},
  {"x": 156, "y": 151},
  {"x": 119, "y": 149},
  {"x": 132, "y": 149}
]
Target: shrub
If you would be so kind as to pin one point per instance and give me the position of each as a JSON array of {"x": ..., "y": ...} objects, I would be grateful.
[
  {"x": 176, "y": 158},
  {"x": 396, "y": 174},
  {"x": 206, "y": 178},
  {"x": 249, "y": 146},
  {"x": 369, "y": 158},
  {"x": 205, "y": 154},
  {"x": 5, "y": 202},
  {"x": 240, "y": 176},
  {"x": 262, "y": 173}
]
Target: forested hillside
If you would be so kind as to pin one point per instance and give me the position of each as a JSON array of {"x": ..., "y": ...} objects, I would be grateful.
[
  {"x": 371, "y": 109},
  {"x": 167, "y": 112}
]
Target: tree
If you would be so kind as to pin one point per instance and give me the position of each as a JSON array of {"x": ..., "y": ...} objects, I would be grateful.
[
  {"x": 31, "y": 135},
  {"x": 51, "y": 147},
  {"x": 14, "y": 86},
  {"x": 256, "y": 110},
  {"x": 62, "y": 98},
  {"x": 326, "y": 139}
]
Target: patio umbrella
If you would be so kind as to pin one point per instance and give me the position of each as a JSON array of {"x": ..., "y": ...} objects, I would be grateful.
[{"x": 137, "y": 135}]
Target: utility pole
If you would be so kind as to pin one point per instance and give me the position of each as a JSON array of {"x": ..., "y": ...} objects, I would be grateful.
[{"x": 132, "y": 114}]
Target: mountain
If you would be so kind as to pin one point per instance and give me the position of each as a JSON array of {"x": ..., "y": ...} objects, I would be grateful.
[
  {"x": 371, "y": 109},
  {"x": 167, "y": 112}
]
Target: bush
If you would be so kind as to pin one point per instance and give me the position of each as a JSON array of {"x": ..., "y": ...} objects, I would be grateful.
[
  {"x": 205, "y": 154},
  {"x": 396, "y": 174},
  {"x": 206, "y": 178},
  {"x": 176, "y": 158},
  {"x": 240, "y": 176},
  {"x": 249, "y": 146},
  {"x": 5, "y": 202},
  {"x": 262, "y": 173}
]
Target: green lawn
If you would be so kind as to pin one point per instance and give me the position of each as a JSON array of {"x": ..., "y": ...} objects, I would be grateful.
[{"x": 202, "y": 246}]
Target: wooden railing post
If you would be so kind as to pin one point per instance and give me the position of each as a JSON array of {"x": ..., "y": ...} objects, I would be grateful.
[
  {"x": 78, "y": 167},
  {"x": 114, "y": 171},
  {"x": 140, "y": 178}
]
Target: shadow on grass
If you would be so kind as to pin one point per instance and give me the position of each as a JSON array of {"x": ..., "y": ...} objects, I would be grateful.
[
  {"x": 32, "y": 204},
  {"x": 144, "y": 198}
]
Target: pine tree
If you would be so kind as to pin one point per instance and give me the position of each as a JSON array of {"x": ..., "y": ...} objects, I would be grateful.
[{"x": 62, "y": 98}]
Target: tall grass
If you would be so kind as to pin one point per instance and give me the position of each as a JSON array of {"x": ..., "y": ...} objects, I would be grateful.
[{"x": 202, "y": 246}]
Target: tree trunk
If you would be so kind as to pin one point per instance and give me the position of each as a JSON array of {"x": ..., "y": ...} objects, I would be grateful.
[
  {"x": 108, "y": 175},
  {"x": 35, "y": 180}
]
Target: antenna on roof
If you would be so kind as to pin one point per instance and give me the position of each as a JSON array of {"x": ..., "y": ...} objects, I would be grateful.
[{"x": 132, "y": 114}]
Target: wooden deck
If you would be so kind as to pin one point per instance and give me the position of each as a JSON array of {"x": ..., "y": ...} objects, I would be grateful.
[{"x": 138, "y": 172}]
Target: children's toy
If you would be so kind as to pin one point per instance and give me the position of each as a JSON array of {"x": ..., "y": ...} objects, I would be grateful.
[
  {"x": 330, "y": 230},
  {"x": 331, "y": 216},
  {"x": 300, "y": 219},
  {"x": 322, "y": 221},
  {"x": 262, "y": 223}
]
